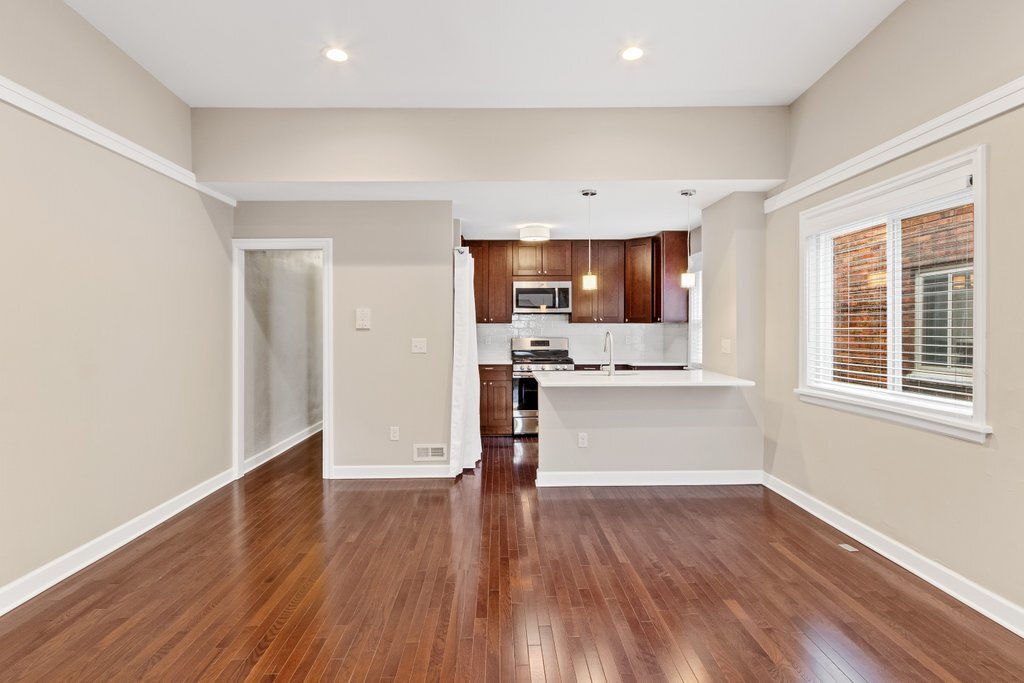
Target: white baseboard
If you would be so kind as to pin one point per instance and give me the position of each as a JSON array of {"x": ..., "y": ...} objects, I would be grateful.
[
  {"x": 391, "y": 472},
  {"x": 280, "y": 447},
  {"x": 35, "y": 582},
  {"x": 650, "y": 478},
  {"x": 993, "y": 606}
]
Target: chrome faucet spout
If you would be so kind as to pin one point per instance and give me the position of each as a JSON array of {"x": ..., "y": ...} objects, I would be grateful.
[{"x": 609, "y": 346}]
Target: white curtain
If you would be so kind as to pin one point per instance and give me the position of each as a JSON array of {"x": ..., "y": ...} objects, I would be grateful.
[{"x": 466, "y": 447}]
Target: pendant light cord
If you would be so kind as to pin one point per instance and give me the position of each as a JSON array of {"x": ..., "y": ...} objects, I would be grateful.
[{"x": 590, "y": 231}]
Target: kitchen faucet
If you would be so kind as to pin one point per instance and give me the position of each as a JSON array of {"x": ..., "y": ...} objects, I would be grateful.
[{"x": 609, "y": 346}]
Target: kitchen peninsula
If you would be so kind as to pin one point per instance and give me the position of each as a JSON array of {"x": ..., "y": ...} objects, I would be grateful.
[{"x": 647, "y": 428}]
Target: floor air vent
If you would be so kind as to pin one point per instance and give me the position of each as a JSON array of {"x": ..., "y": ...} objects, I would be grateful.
[
  {"x": 426, "y": 452},
  {"x": 848, "y": 548}
]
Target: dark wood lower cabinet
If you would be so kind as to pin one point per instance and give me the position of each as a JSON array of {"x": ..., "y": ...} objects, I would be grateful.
[{"x": 495, "y": 399}]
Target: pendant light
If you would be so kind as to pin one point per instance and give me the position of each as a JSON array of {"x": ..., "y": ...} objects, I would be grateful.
[
  {"x": 589, "y": 280},
  {"x": 688, "y": 279}
]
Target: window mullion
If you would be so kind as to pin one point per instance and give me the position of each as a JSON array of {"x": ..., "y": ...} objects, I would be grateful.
[{"x": 894, "y": 305}]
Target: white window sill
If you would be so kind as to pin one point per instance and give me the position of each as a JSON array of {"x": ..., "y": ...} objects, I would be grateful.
[
  {"x": 941, "y": 378},
  {"x": 948, "y": 425}
]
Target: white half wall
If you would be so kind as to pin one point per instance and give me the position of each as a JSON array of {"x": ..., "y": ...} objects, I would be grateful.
[{"x": 633, "y": 431}]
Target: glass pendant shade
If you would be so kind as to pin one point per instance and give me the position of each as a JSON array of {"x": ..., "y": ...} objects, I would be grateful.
[{"x": 589, "y": 282}]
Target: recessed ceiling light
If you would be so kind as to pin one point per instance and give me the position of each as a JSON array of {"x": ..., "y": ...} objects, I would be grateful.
[
  {"x": 631, "y": 54},
  {"x": 335, "y": 54}
]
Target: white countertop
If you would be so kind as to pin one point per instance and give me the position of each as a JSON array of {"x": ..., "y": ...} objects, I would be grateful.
[
  {"x": 634, "y": 363},
  {"x": 494, "y": 361},
  {"x": 645, "y": 378},
  {"x": 505, "y": 360}
]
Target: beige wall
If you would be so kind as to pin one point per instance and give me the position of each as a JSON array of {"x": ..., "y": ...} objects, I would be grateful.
[
  {"x": 733, "y": 266},
  {"x": 952, "y": 501},
  {"x": 283, "y": 346},
  {"x": 396, "y": 259},
  {"x": 115, "y": 354},
  {"x": 244, "y": 145},
  {"x": 926, "y": 58},
  {"x": 47, "y": 47}
]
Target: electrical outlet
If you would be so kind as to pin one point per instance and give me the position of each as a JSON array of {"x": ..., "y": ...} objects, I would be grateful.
[
  {"x": 581, "y": 440},
  {"x": 394, "y": 433},
  {"x": 727, "y": 346},
  {"x": 419, "y": 345}
]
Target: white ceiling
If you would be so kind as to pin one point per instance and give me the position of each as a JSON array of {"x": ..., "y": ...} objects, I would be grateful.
[
  {"x": 485, "y": 53},
  {"x": 494, "y": 210}
]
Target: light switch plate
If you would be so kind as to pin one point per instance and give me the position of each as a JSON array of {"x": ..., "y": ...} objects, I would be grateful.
[
  {"x": 394, "y": 433},
  {"x": 363, "y": 316},
  {"x": 419, "y": 345},
  {"x": 582, "y": 441},
  {"x": 727, "y": 346}
]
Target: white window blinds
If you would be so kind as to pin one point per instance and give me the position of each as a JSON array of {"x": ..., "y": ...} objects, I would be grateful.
[
  {"x": 889, "y": 286},
  {"x": 893, "y": 308}
]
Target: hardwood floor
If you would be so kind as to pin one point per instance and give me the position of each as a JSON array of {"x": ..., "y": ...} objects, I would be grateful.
[{"x": 283, "y": 576}]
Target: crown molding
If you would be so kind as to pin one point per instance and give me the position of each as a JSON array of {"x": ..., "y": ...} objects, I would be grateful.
[
  {"x": 978, "y": 110},
  {"x": 35, "y": 104}
]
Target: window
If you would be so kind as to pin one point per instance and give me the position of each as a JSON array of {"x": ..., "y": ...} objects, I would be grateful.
[
  {"x": 890, "y": 300},
  {"x": 696, "y": 317}
]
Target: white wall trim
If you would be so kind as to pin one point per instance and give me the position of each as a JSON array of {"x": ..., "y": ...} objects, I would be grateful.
[
  {"x": 35, "y": 582},
  {"x": 928, "y": 421},
  {"x": 62, "y": 117},
  {"x": 978, "y": 110},
  {"x": 984, "y": 601},
  {"x": 239, "y": 247},
  {"x": 650, "y": 478},
  {"x": 390, "y": 472},
  {"x": 264, "y": 456}
]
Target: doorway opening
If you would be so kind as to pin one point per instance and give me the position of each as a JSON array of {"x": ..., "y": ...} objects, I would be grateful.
[{"x": 283, "y": 352}]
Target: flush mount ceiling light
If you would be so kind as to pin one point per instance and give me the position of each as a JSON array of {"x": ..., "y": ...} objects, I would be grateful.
[
  {"x": 589, "y": 280},
  {"x": 335, "y": 54},
  {"x": 535, "y": 232},
  {"x": 632, "y": 53},
  {"x": 687, "y": 279}
]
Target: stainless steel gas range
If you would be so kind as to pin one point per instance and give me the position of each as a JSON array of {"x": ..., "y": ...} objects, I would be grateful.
[{"x": 529, "y": 355}]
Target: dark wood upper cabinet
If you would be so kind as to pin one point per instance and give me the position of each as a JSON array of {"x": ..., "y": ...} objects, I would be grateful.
[
  {"x": 640, "y": 280},
  {"x": 499, "y": 282},
  {"x": 542, "y": 258},
  {"x": 528, "y": 259},
  {"x": 558, "y": 258},
  {"x": 604, "y": 305},
  {"x": 492, "y": 280},
  {"x": 653, "y": 269},
  {"x": 481, "y": 261},
  {"x": 671, "y": 259}
]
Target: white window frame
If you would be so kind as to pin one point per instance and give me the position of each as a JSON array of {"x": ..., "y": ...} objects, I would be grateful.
[
  {"x": 930, "y": 372},
  {"x": 872, "y": 206},
  {"x": 695, "y": 327}
]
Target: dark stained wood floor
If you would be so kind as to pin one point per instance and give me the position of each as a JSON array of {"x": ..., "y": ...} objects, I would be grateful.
[{"x": 283, "y": 576}]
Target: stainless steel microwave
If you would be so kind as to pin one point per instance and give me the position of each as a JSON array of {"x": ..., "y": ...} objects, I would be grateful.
[{"x": 541, "y": 297}]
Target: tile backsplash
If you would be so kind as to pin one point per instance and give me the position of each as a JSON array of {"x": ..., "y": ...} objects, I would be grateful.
[{"x": 633, "y": 343}]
